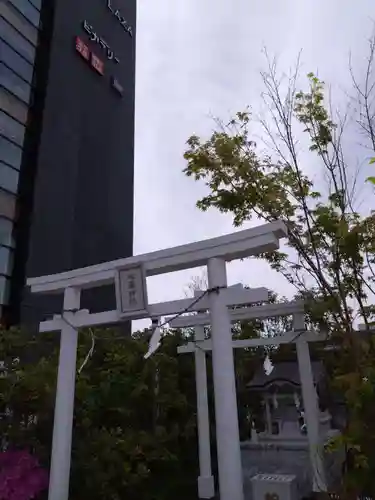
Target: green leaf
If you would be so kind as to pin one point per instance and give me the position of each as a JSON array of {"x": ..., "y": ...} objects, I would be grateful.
[
  {"x": 372, "y": 160},
  {"x": 371, "y": 179}
]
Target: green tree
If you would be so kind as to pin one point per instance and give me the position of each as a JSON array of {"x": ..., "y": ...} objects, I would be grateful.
[
  {"x": 135, "y": 420},
  {"x": 130, "y": 440},
  {"x": 329, "y": 256}
]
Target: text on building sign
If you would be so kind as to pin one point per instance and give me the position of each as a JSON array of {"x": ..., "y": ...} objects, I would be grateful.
[
  {"x": 100, "y": 41},
  {"x": 117, "y": 85},
  {"x": 84, "y": 51},
  {"x": 82, "y": 48},
  {"x": 118, "y": 16},
  {"x": 97, "y": 64}
]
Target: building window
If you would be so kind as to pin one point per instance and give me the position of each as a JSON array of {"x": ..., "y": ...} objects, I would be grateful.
[
  {"x": 20, "y": 44},
  {"x": 13, "y": 106},
  {"x": 8, "y": 178},
  {"x": 16, "y": 62},
  {"x": 28, "y": 10},
  {"x": 18, "y": 21},
  {"x": 37, "y": 3},
  {"x": 6, "y": 233},
  {"x": 7, "y": 205},
  {"x": 11, "y": 129},
  {"x": 14, "y": 83},
  {"x": 10, "y": 153},
  {"x": 6, "y": 261},
  {"x": 4, "y": 290}
]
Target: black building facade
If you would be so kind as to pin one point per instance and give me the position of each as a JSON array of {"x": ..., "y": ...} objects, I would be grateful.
[{"x": 74, "y": 195}]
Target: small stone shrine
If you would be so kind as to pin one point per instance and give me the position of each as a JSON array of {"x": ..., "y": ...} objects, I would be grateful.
[{"x": 278, "y": 435}]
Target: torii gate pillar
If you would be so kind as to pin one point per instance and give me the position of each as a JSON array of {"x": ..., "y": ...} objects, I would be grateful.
[
  {"x": 64, "y": 406},
  {"x": 227, "y": 432}
]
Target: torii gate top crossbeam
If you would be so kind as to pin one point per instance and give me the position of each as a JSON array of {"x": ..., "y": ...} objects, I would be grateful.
[{"x": 229, "y": 247}]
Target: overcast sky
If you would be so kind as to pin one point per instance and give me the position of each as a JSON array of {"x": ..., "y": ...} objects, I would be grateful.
[{"x": 198, "y": 58}]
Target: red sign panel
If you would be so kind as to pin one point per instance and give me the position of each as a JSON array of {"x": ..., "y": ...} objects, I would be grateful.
[
  {"x": 82, "y": 48},
  {"x": 97, "y": 64}
]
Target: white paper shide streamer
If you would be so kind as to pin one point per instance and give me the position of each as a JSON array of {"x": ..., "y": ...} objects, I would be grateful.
[
  {"x": 296, "y": 400},
  {"x": 268, "y": 366},
  {"x": 154, "y": 343}
]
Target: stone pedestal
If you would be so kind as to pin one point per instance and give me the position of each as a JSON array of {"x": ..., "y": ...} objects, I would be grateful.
[
  {"x": 284, "y": 456},
  {"x": 274, "y": 486}
]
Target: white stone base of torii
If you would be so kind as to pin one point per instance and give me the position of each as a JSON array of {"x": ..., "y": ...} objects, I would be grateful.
[
  {"x": 298, "y": 336},
  {"x": 129, "y": 276}
]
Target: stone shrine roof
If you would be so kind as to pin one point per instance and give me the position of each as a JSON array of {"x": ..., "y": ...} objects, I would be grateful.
[{"x": 284, "y": 372}]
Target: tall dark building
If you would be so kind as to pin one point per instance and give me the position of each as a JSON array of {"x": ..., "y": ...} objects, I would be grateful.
[{"x": 67, "y": 79}]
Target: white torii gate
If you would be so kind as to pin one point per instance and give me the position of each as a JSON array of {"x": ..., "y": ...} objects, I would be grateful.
[
  {"x": 129, "y": 276},
  {"x": 299, "y": 336}
]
